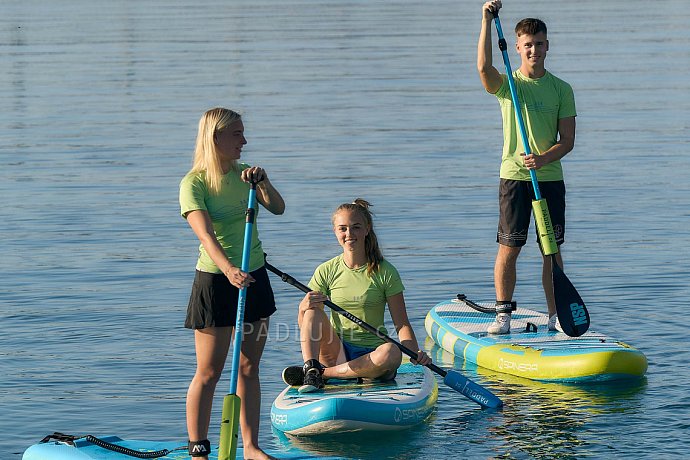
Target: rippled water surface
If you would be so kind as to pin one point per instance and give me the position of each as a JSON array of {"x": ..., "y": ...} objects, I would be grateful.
[{"x": 378, "y": 99}]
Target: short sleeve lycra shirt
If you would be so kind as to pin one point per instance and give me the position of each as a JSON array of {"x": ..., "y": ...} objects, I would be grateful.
[
  {"x": 360, "y": 294},
  {"x": 547, "y": 99},
  {"x": 227, "y": 210}
]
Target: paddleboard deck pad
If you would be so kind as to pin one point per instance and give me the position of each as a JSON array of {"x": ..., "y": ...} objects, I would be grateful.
[
  {"x": 346, "y": 406},
  {"x": 64, "y": 447},
  {"x": 530, "y": 350}
]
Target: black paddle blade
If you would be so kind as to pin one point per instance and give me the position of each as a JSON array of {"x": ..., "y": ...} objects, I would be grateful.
[{"x": 572, "y": 312}]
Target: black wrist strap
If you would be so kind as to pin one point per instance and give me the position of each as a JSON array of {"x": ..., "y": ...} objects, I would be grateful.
[{"x": 199, "y": 448}]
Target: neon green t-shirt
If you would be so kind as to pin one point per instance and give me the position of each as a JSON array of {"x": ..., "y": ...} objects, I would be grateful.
[
  {"x": 360, "y": 294},
  {"x": 548, "y": 99},
  {"x": 228, "y": 214}
]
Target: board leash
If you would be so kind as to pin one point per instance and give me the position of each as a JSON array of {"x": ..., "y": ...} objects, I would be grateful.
[{"x": 71, "y": 439}]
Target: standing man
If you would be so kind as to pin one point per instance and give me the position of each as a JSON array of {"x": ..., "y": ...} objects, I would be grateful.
[{"x": 548, "y": 108}]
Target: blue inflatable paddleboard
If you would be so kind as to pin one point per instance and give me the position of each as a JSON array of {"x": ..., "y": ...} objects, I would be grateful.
[
  {"x": 346, "y": 406},
  {"x": 115, "y": 448}
]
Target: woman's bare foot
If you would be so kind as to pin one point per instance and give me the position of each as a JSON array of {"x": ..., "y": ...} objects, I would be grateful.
[{"x": 255, "y": 453}]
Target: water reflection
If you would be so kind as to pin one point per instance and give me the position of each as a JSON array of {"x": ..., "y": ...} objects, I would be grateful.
[
  {"x": 539, "y": 419},
  {"x": 403, "y": 445}
]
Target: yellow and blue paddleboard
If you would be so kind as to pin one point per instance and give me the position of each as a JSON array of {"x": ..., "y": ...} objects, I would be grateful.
[{"x": 530, "y": 350}]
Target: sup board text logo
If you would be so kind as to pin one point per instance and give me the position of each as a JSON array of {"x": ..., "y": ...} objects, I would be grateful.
[
  {"x": 280, "y": 419},
  {"x": 407, "y": 414},
  {"x": 578, "y": 312},
  {"x": 521, "y": 367}
]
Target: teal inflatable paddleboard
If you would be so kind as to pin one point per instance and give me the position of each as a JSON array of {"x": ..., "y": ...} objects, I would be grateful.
[
  {"x": 61, "y": 447},
  {"x": 346, "y": 406}
]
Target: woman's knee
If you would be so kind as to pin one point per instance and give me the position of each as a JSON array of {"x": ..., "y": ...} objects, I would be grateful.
[
  {"x": 208, "y": 375},
  {"x": 389, "y": 356},
  {"x": 249, "y": 368},
  {"x": 315, "y": 326}
]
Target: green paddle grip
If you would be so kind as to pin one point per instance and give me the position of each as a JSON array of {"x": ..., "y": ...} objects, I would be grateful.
[
  {"x": 229, "y": 426},
  {"x": 544, "y": 227}
]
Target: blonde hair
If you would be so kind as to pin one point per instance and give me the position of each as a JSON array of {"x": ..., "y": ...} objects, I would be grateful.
[
  {"x": 206, "y": 158},
  {"x": 371, "y": 243}
]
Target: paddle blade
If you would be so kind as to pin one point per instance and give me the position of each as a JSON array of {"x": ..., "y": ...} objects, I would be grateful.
[
  {"x": 572, "y": 312},
  {"x": 230, "y": 423},
  {"x": 471, "y": 390}
]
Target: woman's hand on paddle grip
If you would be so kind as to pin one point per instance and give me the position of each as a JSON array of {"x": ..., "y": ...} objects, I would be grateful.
[
  {"x": 422, "y": 358},
  {"x": 312, "y": 300},
  {"x": 253, "y": 174},
  {"x": 238, "y": 278}
]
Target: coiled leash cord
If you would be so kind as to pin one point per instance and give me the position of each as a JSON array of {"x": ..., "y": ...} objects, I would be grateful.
[{"x": 69, "y": 439}]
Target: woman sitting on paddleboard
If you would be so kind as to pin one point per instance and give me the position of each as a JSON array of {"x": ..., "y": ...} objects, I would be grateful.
[{"x": 362, "y": 282}]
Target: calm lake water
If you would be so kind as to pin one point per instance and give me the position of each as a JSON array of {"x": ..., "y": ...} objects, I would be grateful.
[{"x": 378, "y": 99}]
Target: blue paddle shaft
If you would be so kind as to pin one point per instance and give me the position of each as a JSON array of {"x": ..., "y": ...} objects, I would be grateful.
[
  {"x": 516, "y": 103},
  {"x": 242, "y": 298}
]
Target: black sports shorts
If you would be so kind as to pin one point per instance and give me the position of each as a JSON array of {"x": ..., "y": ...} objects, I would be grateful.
[
  {"x": 515, "y": 203},
  {"x": 213, "y": 301}
]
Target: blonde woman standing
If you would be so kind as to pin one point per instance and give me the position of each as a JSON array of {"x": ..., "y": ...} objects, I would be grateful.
[{"x": 213, "y": 200}]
